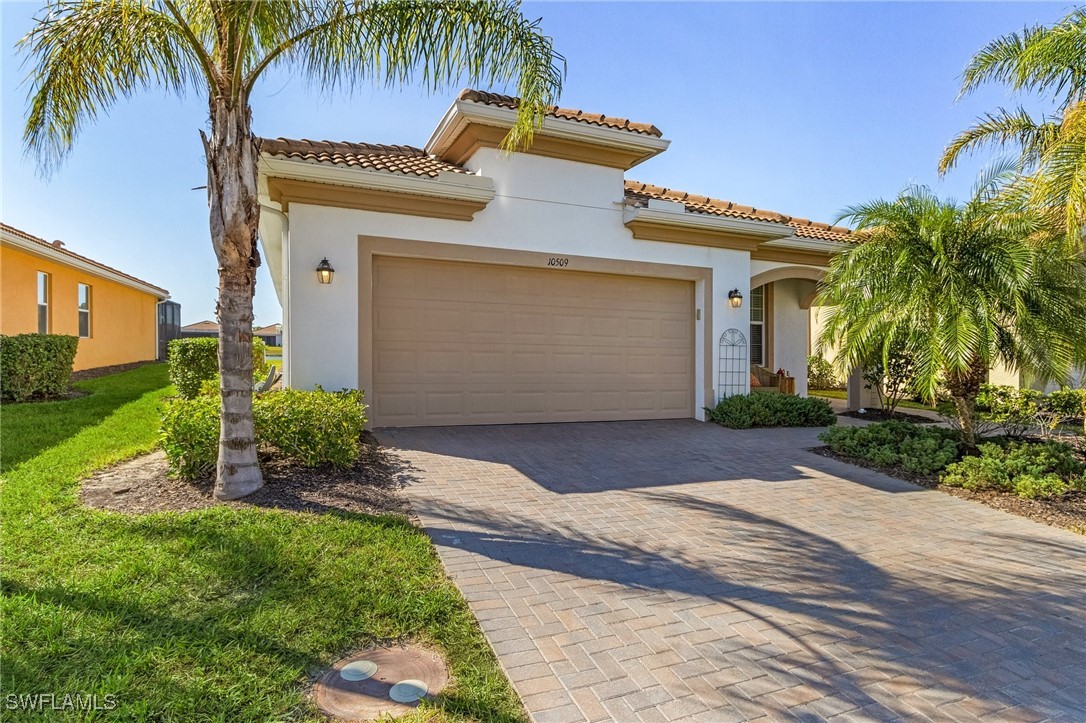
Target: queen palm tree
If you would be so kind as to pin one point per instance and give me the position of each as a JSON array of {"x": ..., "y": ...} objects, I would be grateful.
[
  {"x": 88, "y": 54},
  {"x": 1051, "y": 62},
  {"x": 961, "y": 287}
]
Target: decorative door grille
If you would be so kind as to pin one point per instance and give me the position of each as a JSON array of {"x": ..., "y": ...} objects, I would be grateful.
[{"x": 733, "y": 372}]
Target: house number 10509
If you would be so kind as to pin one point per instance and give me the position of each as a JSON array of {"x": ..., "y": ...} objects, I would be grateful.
[{"x": 556, "y": 261}]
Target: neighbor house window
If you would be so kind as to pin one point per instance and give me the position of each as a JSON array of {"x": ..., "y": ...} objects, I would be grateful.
[
  {"x": 757, "y": 326},
  {"x": 43, "y": 302},
  {"x": 84, "y": 310}
]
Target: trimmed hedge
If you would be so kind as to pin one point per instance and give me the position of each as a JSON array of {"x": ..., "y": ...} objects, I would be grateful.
[
  {"x": 312, "y": 428},
  {"x": 36, "y": 366},
  {"x": 771, "y": 410},
  {"x": 195, "y": 361},
  {"x": 1034, "y": 470},
  {"x": 916, "y": 448}
]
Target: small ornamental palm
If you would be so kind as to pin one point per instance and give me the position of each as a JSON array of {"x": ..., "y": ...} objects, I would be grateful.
[
  {"x": 963, "y": 286},
  {"x": 88, "y": 54},
  {"x": 1050, "y": 61}
]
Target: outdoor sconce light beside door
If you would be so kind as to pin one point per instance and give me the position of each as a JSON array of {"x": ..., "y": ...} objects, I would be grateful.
[
  {"x": 735, "y": 298},
  {"x": 325, "y": 271}
]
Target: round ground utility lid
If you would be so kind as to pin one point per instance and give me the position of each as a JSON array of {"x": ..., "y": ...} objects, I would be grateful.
[{"x": 380, "y": 681}]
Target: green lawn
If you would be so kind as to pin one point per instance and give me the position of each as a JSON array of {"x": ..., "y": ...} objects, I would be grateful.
[
  {"x": 842, "y": 394},
  {"x": 216, "y": 615}
]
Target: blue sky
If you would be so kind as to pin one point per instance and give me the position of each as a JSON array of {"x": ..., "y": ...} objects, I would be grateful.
[{"x": 803, "y": 108}]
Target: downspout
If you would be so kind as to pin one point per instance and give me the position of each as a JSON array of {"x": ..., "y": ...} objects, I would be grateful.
[{"x": 285, "y": 284}]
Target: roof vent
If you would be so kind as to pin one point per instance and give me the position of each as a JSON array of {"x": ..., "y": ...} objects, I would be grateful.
[{"x": 58, "y": 244}]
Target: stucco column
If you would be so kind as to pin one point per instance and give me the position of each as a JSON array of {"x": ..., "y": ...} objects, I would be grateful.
[{"x": 859, "y": 396}]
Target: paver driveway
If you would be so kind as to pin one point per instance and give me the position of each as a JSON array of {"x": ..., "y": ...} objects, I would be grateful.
[{"x": 677, "y": 570}]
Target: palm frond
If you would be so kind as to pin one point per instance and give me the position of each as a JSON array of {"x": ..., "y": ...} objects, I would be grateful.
[
  {"x": 87, "y": 55},
  {"x": 395, "y": 42},
  {"x": 1001, "y": 129}
]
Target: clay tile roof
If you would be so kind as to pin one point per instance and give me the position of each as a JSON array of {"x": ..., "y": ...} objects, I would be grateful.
[
  {"x": 407, "y": 160},
  {"x": 596, "y": 119},
  {"x": 65, "y": 252},
  {"x": 637, "y": 194},
  {"x": 205, "y": 325}
]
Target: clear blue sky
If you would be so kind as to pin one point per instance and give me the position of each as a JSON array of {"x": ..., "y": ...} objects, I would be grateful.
[{"x": 801, "y": 108}]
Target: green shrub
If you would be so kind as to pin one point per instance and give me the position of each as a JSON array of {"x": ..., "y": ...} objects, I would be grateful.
[
  {"x": 771, "y": 410},
  {"x": 1028, "y": 469},
  {"x": 36, "y": 365},
  {"x": 820, "y": 374},
  {"x": 1015, "y": 410},
  {"x": 312, "y": 428},
  {"x": 916, "y": 448},
  {"x": 195, "y": 361},
  {"x": 190, "y": 435}
]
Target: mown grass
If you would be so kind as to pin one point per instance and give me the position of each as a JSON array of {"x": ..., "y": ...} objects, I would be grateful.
[
  {"x": 220, "y": 614},
  {"x": 842, "y": 394}
]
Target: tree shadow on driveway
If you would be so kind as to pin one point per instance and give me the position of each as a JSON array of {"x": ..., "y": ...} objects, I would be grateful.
[{"x": 824, "y": 616}]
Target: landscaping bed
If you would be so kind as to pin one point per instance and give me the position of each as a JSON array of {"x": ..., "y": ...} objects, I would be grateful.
[
  {"x": 1039, "y": 479},
  {"x": 877, "y": 415},
  {"x": 143, "y": 484}
]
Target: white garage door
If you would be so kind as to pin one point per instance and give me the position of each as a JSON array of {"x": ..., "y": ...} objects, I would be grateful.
[{"x": 465, "y": 343}]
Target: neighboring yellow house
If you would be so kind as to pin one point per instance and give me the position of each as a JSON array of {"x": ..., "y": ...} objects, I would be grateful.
[{"x": 46, "y": 289}]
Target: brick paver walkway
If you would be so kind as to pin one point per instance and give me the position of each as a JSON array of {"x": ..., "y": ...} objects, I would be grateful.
[{"x": 678, "y": 570}]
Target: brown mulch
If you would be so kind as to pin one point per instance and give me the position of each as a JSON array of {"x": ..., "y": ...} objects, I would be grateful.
[
  {"x": 85, "y": 374},
  {"x": 877, "y": 415},
  {"x": 1067, "y": 512},
  {"x": 372, "y": 486}
]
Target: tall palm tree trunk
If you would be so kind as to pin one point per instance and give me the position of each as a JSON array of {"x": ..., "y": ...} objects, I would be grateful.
[{"x": 235, "y": 212}]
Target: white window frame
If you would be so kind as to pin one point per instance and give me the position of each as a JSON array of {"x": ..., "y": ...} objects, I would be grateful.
[
  {"x": 44, "y": 289},
  {"x": 81, "y": 311},
  {"x": 757, "y": 319}
]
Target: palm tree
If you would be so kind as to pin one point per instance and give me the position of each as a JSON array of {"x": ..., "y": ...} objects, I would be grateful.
[
  {"x": 962, "y": 286},
  {"x": 87, "y": 54},
  {"x": 1050, "y": 61}
]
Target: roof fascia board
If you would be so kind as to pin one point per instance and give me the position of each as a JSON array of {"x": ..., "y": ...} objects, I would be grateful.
[
  {"x": 463, "y": 112},
  {"x": 52, "y": 254},
  {"x": 765, "y": 231},
  {"x": 458, "y": 186}
]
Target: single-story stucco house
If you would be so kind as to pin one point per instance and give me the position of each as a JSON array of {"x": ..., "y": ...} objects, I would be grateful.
[
  {"x": 460, "y": 284},
  {"x": 45, "y": 288}
]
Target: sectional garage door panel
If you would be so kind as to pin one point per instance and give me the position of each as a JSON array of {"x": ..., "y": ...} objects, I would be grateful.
[{"x": 462, "y": 343}]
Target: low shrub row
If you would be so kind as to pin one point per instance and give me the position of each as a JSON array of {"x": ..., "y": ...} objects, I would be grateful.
[
  {"x": 36, "y": 366},
  {"x": 312, "y": 428},
  {"x": 1028, "y": 469},
  {"x": 1035, "y": 470},
  {"x": 762, "y": 409},
  {"x": 194, "y": 362},
  {"x": 1017, "y": 411},
  {"x": 912, "y": 447}
]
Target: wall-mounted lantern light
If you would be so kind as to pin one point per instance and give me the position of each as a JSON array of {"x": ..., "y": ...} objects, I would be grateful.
[
  {"x": 325, "y": 271},
  {"x": 735, "y": 298}
]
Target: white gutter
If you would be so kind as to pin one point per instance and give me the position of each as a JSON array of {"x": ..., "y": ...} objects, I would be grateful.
[
  {"x": 67, "y": 259},
  {"x": 768, "y": 231},
  {"x": 282, "y": 281},
  {"x": 809, "y": 244},
  {"x": 458, "y": 186}
]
